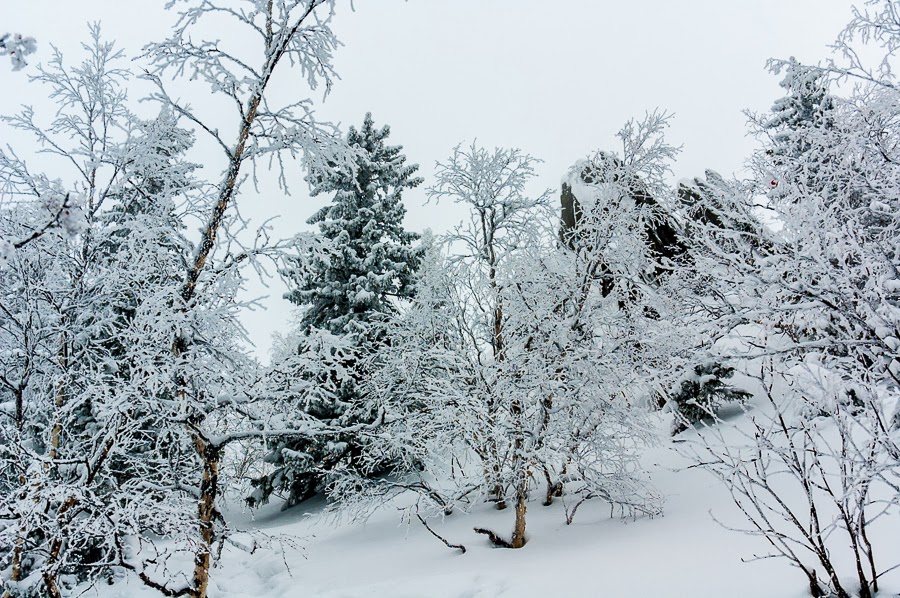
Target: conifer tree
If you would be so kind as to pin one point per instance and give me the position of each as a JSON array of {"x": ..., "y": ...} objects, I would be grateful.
[
  {"x": 375, "y": 259},
  {"x": 807, "y": 111},
  {"x": 351, "y": 293},
  {"x": 807, "y": 104}
]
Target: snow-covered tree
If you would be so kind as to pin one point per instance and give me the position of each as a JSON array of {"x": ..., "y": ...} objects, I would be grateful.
[
  {"x": 713, "y": 204},
  {"x": 437, "y": 376},
  {"x": 649, "y": 246},
  {"x": 714, "y": 208},
  {"x": 57, "y": 403},
  {"x": 808, "y": 110},
  {"x": 352, "y": 292},
  {"x": 512, "y": 365},
  {"x": 502, "y": 219},
  {"x": 814, "y": 303},
  {"x": 655, "y": 239},
  {"x": 808, "y": 105},
  {"x": 215, "y": 407},
  {"x": 123, "y": 353},
  {"x": 701, "y": 393},
  {"x": 82, "y": 408},
  {"x": 374, "y": 257}
]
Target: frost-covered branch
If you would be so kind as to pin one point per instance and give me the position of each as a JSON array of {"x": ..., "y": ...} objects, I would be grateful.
[{"x": 17, "y": 47}]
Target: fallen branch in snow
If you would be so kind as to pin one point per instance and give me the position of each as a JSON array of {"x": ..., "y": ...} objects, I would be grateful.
[
  {"x": 493, "y": 537},
  {"x": 439, "y": 537}
]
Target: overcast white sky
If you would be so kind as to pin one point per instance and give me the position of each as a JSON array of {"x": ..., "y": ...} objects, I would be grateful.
[{"x": 556, "y": 78}]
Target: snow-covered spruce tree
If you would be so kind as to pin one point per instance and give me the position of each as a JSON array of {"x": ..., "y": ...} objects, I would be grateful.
[
  {"x": 375, "y": 259},
  {"x": 418, "y": 379},
  {"x": 352, "y": 292},
  {"x": 807, "y": 105},
  {"x": 818, "y": 301},
  {"x": 702, "y": 392}
]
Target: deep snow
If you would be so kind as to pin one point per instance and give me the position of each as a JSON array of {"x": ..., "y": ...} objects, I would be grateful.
[{"x": 682, "y": 554}]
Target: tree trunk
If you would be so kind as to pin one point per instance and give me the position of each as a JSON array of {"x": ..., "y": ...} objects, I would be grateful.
[
  {"x": 209, "y": 456},
  {"x": 497, "y": 489},
  {"x": 16, "y": 574},
  {"x": 56, "y": 433},
  {"x": 499, "y": 355},
  {"x": 554, "y": 489},
  {"x": 499, "y": 501},
  {"x": 209, "y": 489},
  {"x": 518, "y": 536},
  {"x": 815, "y": 590},
  {"x": 50, "y": 573},
  {"x": 19, "y": 548},
  {"x": 519, "y": 463}
]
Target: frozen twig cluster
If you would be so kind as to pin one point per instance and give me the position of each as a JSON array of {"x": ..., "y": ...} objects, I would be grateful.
[{"x": 17, "y": 47}]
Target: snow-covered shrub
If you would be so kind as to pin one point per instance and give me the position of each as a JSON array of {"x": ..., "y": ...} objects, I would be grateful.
[{"x": 702, "y": 393}]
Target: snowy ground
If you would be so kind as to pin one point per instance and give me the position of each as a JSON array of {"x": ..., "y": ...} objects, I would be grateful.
[{"x": 683, "y": 553}]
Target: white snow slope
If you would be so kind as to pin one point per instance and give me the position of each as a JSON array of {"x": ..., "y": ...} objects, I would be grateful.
[{"x": 682, "y": 554}]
